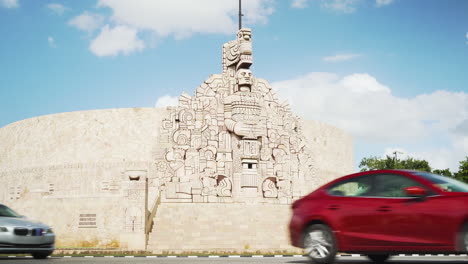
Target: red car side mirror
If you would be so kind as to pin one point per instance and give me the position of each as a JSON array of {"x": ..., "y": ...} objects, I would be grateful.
[{"x": 415, "y": 191}]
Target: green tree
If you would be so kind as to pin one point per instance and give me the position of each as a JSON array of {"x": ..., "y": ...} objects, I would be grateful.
[
  {"x": 462, "y": 174},
  {"x": 445, "y": 172},
  {"x": 414, "y": 164},
  {"x": 374, "y": 163}
]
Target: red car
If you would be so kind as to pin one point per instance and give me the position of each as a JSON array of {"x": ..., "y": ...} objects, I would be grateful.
[{"x": 381, "y": 213}]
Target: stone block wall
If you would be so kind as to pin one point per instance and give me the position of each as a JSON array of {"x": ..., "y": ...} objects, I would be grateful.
[
  {"x": 78, "y": 222},
  {"x": 222, "y": 227},
  {"x": 332, "y": 149}
]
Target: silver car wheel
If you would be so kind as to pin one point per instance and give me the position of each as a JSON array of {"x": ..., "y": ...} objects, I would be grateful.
[{"x": 317, "y": 244}]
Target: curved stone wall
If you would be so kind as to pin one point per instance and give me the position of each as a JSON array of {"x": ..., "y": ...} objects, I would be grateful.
[
  {"x": 112, "y": 135},
  {"x": 332, "y": 149},
  {"x": 72, "y": 169},
  {"x": 92, "y": 174},
  {"x": 129, "y": 135}
]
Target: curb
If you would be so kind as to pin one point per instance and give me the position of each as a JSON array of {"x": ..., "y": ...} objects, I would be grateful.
[{"x": 246, "y": 256}]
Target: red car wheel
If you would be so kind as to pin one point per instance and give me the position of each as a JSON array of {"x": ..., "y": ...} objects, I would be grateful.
[{"x": 320, "y": 244}]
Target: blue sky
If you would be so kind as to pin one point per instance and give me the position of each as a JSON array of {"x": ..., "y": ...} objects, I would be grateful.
[{"x": 392, "y": 73}]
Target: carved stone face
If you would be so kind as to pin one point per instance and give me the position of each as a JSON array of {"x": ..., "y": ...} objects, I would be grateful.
[
  {"x": 244, "y": 79},
  {"x": 245, "y": 42}
]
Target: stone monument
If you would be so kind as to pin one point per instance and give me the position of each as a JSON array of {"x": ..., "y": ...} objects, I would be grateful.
[
  {"x": 218, "y": 172},
  {"x": 234, "y": 141}
]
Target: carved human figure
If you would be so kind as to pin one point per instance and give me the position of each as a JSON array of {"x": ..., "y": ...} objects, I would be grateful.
[
  {"x": 244, "y": 80},
  {"x": 244, "y": 108}
]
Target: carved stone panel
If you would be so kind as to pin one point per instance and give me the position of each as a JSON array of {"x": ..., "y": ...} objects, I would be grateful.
[{"x": 233, "y": 138}]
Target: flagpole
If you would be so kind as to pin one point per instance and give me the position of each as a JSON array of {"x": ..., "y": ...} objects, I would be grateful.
[{"x": 240, "y": 14}]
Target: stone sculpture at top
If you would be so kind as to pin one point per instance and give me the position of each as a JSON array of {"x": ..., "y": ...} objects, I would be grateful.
[{"x": 233, "y": 141}]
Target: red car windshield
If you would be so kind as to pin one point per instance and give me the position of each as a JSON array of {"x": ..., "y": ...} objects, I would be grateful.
[
  {"x": 7, "y": 212},
  {"x": 445, "y": 183}
]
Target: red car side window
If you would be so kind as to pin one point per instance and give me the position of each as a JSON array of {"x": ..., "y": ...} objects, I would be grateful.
[
  {"x": 393, "y": 185},
  {"x": 354, "y": 187}
]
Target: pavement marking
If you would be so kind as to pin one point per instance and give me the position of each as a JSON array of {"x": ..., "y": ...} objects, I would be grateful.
[{"x": 247, "y": 256}]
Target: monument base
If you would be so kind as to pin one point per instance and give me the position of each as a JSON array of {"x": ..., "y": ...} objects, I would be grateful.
[
  {"x": 133, "y": 241},
  {"x": 221, "y": 227}
]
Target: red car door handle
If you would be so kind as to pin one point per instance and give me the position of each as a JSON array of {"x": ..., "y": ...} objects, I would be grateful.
[
  {"x": 333, "y": 207},
  {"x": 384, "y": 209}
]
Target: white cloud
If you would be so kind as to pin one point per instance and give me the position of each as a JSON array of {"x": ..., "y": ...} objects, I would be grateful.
[
  {"x": 51, "y": 42},
  {"x": 299, "y": 4},
  {"x": 467, "y": 37},
  {"x": 57, "y": 8},
  {"x": 167, "y": 100},
  {"x": 112, "y": 41},
  {"x": 158, "y": 19},
  {"x": 182, "y": 18},
  {"x": 363, "y": 83},
  {"x": 349, "y": 6},
  {"x": 367, "y": 109},
  {"x": 341, "y": 57},
  {"x": 88, "y": 22},
  {"x": 341, "y": 6},
  {"x": 381, "y": 3},
  {"x": 9, "y": 3}
]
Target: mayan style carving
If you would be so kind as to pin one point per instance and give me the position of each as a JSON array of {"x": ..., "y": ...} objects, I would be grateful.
[{"x": 233, "y": 141}]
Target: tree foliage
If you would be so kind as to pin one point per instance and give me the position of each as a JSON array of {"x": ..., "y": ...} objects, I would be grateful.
[
  {"x": 374, "y": 163},
  {"x": 462, "y": 174},
  {"x": 445, "y": 172}
]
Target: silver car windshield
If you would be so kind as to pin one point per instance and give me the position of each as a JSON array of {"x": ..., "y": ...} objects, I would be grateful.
[
  {"x": 445, "y": 183},
  {"x": 7, "y": 212}
]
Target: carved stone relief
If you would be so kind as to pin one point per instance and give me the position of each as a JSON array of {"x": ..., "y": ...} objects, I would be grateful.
[{"x": 233, "y": 138}]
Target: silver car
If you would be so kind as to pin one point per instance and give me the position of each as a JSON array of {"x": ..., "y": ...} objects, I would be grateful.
[{"x": 19, "y": 235}]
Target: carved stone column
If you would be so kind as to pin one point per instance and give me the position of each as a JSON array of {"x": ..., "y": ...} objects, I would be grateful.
[{"x": 135, "y": 207}]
